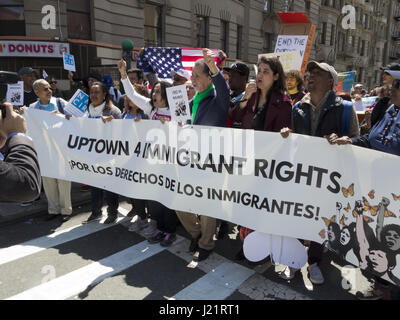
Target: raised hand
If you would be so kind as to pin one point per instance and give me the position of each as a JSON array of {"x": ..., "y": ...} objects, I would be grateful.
[
  {"x": 122, "y": 68},
  {"x": 209, "y": 59},
  {"x": 285, "y": 132}
]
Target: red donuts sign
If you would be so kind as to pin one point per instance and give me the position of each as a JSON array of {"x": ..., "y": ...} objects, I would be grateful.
[{"x": 33, "y": 49}]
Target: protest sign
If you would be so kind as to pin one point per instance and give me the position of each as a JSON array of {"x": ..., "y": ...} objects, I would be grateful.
[
  {"x": 289, "y": 60},
  {"x": 179, "y": 104},
  {"x": 286, "y": 43},
  {"x": 364, "y": 103},
  {"x": 342, "y": 195},
  {"x": 77, "y": 105},
  {"x": 69, "y": 62},
  {"x": 15, "y": 93}
]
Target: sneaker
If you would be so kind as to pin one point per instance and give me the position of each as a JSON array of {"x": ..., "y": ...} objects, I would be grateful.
[
  {"x": 138, "y": 225},
  {"x": 194, "y": 244},
  {"x": 111, "y": 219},
  {"x": 288, "y": 273},
  {"x": 316, "y": 276},
  {"x": 157, "y": 237},
  {"x": 372, "y": 294},
  {"x": 50, "y": 216},
  {"x": 151, "y": 228},
  {"x": 65, "y": 217},
  {"x": 168, "y": 239},
  {"x": 26, "y": 204},
  {"x": 201, "y": 254},
  {"x": 131, "y": 213},
  {"x": 94, "y": 217}
]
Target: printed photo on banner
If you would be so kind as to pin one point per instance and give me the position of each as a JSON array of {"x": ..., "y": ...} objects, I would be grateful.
[
  {"x": 15, "y": 93},
  {"x": 179, "y": 104},
  {"x": 289, "y": 60},
  {"x": 77, "y": 105},
  {"x": 69, "y": 62}
]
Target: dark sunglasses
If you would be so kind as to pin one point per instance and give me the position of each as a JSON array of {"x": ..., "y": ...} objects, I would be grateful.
[
  {"x": 396, "y": 83},
  {"x": 53, "y": 82}
]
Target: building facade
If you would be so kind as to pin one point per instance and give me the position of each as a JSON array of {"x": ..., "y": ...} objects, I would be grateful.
[{"x": 95, "y": 29}]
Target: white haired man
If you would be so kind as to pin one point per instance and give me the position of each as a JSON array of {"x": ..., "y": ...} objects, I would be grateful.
[{"x": 58, "y": 192}]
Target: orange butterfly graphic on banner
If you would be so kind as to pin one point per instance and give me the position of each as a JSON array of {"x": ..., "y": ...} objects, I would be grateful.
[
  {"x": 348, "y": 191},
  {"x": 374, "y": 209},
  {"x": 367, "y": 207},
  {"x": 368, "y": 219},
  {"x": 395, "y": 198},
  {"x": 343, "y": 220},
  {"x": 329, "y": 221},
  {"x": 322, "y": 233},
  {"x": 348, "y": 208},
  {"x": 371, "y": 194}
]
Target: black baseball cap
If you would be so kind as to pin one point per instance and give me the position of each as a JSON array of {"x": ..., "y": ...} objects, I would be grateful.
[
  {"x": 25, "y": 70},
  {"x": 240, "y": 67},
  {"x": 394, "y": 66}
]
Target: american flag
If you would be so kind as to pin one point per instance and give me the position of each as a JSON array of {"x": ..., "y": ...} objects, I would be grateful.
[{"x": 163, "y": 60}]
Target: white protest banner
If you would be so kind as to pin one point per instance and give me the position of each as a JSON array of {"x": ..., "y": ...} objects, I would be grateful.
[
  {"x": 289, "y": 60},
  {"x": 78, "y": 104},
  {"x": 179, "y": 103},
  {"x": 299, "y": 187},
  {"x": 286, "y": 43},
  {"x": 12, "y": 48},
  {"x": 15, "y": 93},
  {"x": 69, "y": 62}
]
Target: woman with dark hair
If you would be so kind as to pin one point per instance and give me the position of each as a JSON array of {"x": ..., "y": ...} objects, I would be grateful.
[
  {"x": 101, "y": 106},
  {"x": 133, "y": 112},
  {"x": 264, "y": 107},
  {"x": 157, "y": 108}
]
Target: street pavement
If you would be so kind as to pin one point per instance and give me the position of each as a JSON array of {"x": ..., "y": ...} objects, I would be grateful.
[{"x": 74, "y": 261}]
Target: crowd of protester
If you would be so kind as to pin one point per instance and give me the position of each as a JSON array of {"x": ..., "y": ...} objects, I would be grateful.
[{"x": 223, "y": 97}]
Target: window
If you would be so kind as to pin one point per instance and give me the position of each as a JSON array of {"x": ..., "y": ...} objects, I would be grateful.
[
  {"x": 333, "y": 30},
  {"x": 202, "y": 32},
  {"x": 153, "y": 25},
  {"x": 268, "y": 6},
  {"x": 239, "y": 41},
  {"x": 78, "y": 16},
  {"x": 323, "y": 33},
  {"x": 12, "y": 19},
  {"x": 267, "y": 47},
  {"x": 308, "y": 6},
  {"x": 224, "y": 36}
]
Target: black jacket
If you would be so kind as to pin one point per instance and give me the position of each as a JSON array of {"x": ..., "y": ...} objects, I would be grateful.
[
  {"x": 330, "y": 118},
  {"x": 379, "y": 110},
  {"x": 213, "y": 109},
  {"x": 20, "y": 179}
]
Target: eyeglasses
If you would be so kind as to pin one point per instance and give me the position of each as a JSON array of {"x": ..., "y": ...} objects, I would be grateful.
[{"x": 53, "y": 82}]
